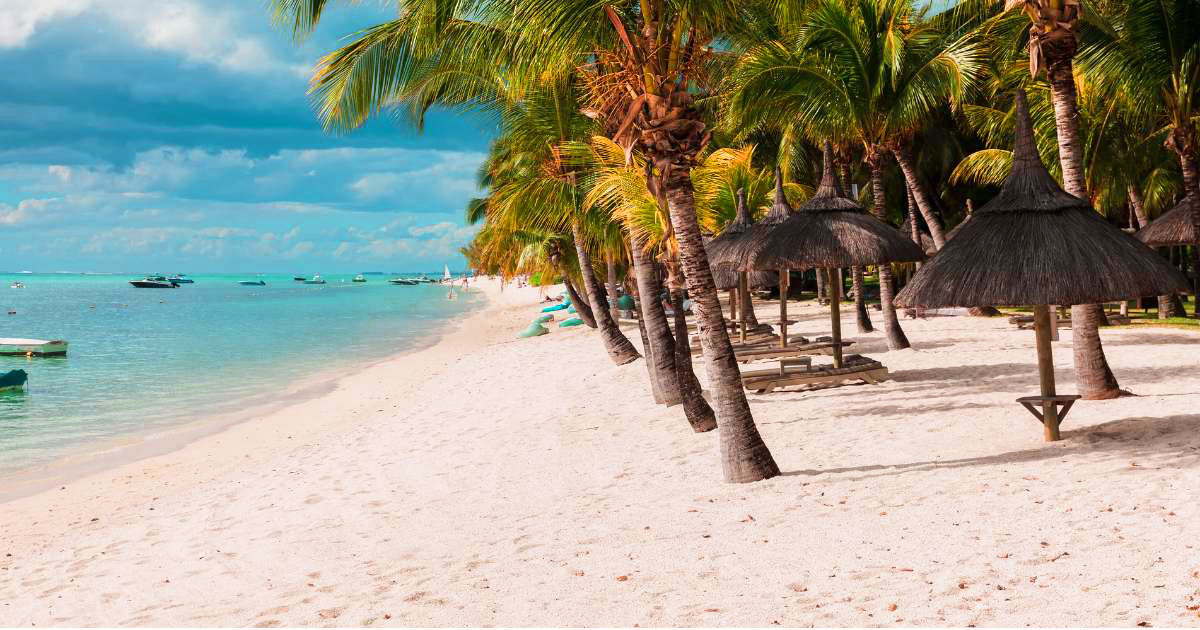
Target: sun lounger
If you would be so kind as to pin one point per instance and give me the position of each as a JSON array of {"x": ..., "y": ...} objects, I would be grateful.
[
  {"x": 800, "y": 372},
  {"x": 769, "y": 353}
]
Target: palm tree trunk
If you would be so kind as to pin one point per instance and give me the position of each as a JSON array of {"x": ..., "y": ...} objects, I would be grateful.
[
  {"x": 697, "y": 410},
  {"x": 651, "y": 368},
  {"x": 860, "y": 303},
  {"x": 611, "y": 285},
  {"x": 746, "y": 303},
  {"x": 581, "y": 307},
  {"x": 1189, "y": 159},
  {"x": 1138, "y": 204},
  {"x": 896, "y": 338},
  {"x": 908, "y": 165},
  {"x": 661, "y": 351},
  {"x": 619, "y": 348},
  {"x": 820, "y": 287},
  {"x": 744, "y": 455},
  {"x": 1092, "y": 374}
]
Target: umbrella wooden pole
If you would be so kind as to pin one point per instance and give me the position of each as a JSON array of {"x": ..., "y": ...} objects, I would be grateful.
[
  {"x": 743, "y": 280},
  {"x": 1053, "y": 310},
  {"x": 783, "y": 291},
  {"x": 1045, "y": 354},
  {"x": 835, "y": 316},
  {"x": 733, "y": 305}
]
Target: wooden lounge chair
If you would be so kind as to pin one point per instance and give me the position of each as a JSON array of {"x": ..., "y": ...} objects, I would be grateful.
[
  {"x": 800, "y": 372},
  {"x": 772, "y": 352}
]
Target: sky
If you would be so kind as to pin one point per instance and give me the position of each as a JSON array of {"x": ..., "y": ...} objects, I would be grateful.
[{"x": 177, "y": 136}]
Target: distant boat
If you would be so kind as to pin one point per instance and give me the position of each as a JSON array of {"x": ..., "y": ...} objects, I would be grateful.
[
  {"x": 17, "y": 285},
  {"x": 359, "y": 278},
  {"x": 403, "y": 281},
  {"x": 252, "y": 283},
  {"x": 316, "y": 279},
  {"x": 181, "y": 279},
  {"x": 299, "y": 278},
  {"x": 446, "y": 273},
  {"x": 13, "y": 380},
  {"x": 35, "y": 347},
  {"x": 154, "y": 282}
]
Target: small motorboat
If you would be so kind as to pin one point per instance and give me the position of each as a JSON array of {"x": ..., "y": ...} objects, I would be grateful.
[
  {"x": 154, "y": 282},
  {"x": 17, "y": 285},
  {"x": 403, "y": 281},
  {"x": 299, "y": 278},
  {"x": 252, "y": 283},
  {"x": 316, "y": 279},
  {"x": 32, "y": 347},
  {"x": 13, "y": 380},
  {"x": 181, "y": 279},
  {"x": 359, "y": 278}
]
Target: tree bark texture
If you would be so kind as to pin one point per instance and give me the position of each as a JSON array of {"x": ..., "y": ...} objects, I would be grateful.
[
  {"x": 661, "y": 352},
  {"x": 896, "y": 338},
  {"x": 619, "y": 348}
]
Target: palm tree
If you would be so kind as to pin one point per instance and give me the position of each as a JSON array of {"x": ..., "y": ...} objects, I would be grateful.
[
  {"x": 867, "y": 70},
  {"x": 1149, "y": 52},
  {"x": 645, "y": 63},
  {"x": 1052, "y": 46}
]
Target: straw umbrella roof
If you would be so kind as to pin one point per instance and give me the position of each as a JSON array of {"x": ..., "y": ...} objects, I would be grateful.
[
  {"x": 742, "y": 223},
  {"x": 1173, "y": 228},
  {"x": 1037, "y": 244},
  {"x": 829, "y": 230}
]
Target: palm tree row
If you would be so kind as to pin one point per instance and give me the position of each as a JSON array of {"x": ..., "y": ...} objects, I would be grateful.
[{"x": 627, "y": 127}]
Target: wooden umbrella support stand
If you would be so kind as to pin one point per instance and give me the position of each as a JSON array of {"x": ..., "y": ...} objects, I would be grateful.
[
  {"x": 743, "y": 280},
  {"x": 783, "y": 296},
  {"x": 835, "y": 315},
  {"x": 1050, "y": 415}
]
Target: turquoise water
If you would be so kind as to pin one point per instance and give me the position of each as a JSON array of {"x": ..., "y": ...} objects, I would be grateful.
[{"x": 147, "y": 359}]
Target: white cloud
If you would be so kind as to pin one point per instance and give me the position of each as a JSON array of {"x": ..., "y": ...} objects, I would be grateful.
[{"x": 19, "y": 19}]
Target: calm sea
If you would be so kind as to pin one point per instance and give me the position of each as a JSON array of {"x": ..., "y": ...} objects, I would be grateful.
[{"x": 148, "y": 359}]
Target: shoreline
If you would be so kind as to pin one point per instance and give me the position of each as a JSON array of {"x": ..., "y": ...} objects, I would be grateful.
[
  {"x": 490, "y": 480},
  {"x": 97, "y": 457}
]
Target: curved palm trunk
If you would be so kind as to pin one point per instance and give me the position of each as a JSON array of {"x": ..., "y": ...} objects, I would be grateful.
[
  {"x": 916, "y": 187},
  {"x": 661, "y": 351},
  {"x": 860, "y": 303},
  {"x": 744, "y": 455},
  {"x": 697, "y": 410},
  {"x": 619, "y": 348},
  {"x": 581, "y": 307},
  {"x": 651, "y": 368},
  {"x": 896, "y": 338},
  {"x": 610, "y": 281},
  {"x": 1092, "y": 374}
]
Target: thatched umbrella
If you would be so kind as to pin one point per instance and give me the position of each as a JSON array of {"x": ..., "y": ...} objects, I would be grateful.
[
  {"x": 736, "y": 282},
  {"x": 1176, "y": 228},
  {"x": 730, "y": 254},
  {"x": 927, "y": 244},
  {"x": 1035, "y": 244},
  {"x": 829, "y": 231}
]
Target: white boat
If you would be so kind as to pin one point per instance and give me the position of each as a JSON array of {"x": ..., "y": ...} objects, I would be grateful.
[
  {"x": 316, "y": 279},
  {"x": 17, "y": 285},
  {"x": 446, "y": 273},
  {"x": 403, "y": 281},
  {"x": 34, "y": 347},
  {"x": 359, "y": 278}
]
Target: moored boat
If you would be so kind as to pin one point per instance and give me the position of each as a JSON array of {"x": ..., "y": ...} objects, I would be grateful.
[
  {"x": 359, "y": 278},
  {"x": 316, "y": 279},
  {"x": 11, "y": 346},
  {"x": 252, "y": 283},
  {"x": 154, "y": 282},
  {"x": 13, "y": 380},
  {"x": 299, "y": 278},
  {"x": 180, "y": 278},
  {"x": 17, "y": 285},
  {"x": 403, "y": 281}
]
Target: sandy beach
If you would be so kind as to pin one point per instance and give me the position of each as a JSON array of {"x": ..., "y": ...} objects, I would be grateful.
[{"x": 493, "y": 481}]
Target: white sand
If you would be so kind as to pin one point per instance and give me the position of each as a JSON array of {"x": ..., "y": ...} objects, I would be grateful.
[{"x": 488, "y": 480}]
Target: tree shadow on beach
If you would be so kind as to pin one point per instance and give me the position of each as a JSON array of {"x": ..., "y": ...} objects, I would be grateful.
[{"x": 1169, "y": 441}]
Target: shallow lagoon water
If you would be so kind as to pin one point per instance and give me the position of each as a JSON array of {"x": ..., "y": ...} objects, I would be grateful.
[{"x": 148, "y": 359}]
